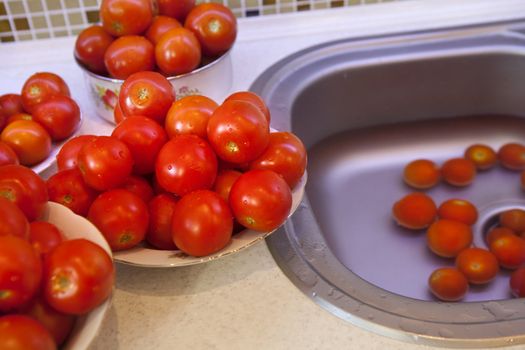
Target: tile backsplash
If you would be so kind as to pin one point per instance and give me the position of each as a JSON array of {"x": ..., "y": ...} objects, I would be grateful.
[{"x": 40, "y": 19}]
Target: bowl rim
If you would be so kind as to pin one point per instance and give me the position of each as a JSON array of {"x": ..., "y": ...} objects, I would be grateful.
[{"x": 205, "y": 67}]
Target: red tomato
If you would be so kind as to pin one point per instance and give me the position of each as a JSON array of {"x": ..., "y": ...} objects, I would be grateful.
[
  {"x": 11, "y": 104},
  {"x": 105, "y": 162},
  {"x": 121, "y": 216},
  {"x": 447, "y": 238},
  {"x": 177, "y": 52},
  {"x": 72, "y": 286},
  {"x": 458, "y": 171},
  {"x": 25, "y": 188},
  {"x": 126, "y": 17},
  {"x": 260, "y": 200},
  {"x": 139, "y": 186},
  {"x": 509, "y": 249},
  {"x": 118, "y": 115},
  {"x": 40, "y": 87},
  {"x": 202, "y": 223},
  {"x": 513, "y": 219},
  {"x": 144, "y": 138},
  {"x": 57, "y": 323},
  {"x": 67, "y": 157},
  {"x": 67, "y": 187},
  {"x": 178, "y": 9},
  {"x": 20, "y": 272},
  {"x": 238, "y": 131},
  {"x": 512, "y": 156},
  {"x": 159, "y": 26},
  {"x": 60, "y": 116},
  {"x": 148, "y": 94},
  {"x": 190, "y": 115},
  {"x": 251, "y": 97},
  {"x": 186, "y": 163},
  {"x": 12, "y": 220},
  {"x": 497, "y": 232},
  {"x": 161, "y": 209},
  {"x": 517, "y": 282},
  {"x": 224, "y": 182},
  {"x": 19, "y": 116},
  {"x": 44, "y": 236},
  {"x": 478, "y": 265},
  {"x": 30, "y": 141},
  {"x": 129, "y": 54},
  {"x": 7, "y": 155},
  {"x": 459, "y": 210},
  {"x": 286, "y": 155},
  {"x": 20, "y": 332},
  {"x": 90, "y": 46},
  {"x": 448, "y": 284},
  {"x": 214, "y": 25}
]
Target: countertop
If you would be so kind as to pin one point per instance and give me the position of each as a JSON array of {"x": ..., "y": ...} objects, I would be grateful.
[{"x": 242, "y": 301}]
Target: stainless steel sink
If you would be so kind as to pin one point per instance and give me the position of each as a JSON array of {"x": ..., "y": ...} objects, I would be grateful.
[{"x": 366, "y": 107}]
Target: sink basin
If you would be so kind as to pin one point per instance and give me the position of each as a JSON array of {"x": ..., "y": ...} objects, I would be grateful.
[{"x": 366, "y": 107}]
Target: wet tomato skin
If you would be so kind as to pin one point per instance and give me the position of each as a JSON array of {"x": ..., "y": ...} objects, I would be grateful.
[
  {"x": 161, "y": 209},
  {"x": 40, "y": 87},
  {"x": 159, "y": 26},
  {"x": 19, "y": 332},
  {"x": 190, "y": 115},
  {"x": 129, "y": 54},
  {"x": 30, "y": 141},
  {"x": 126, "y": 17},
  {"x": 14, "y": 221},
  {"x": 60, "y": 116},
  {"x": 177, "y": 52},
  {"x": 90, "y": 46},
  {"x": 67, "y": 156}
]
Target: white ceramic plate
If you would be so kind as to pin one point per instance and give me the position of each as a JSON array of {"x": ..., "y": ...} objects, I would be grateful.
[
  {"x": 75, "y": 226},
  {"x": 147, "y": 257}
]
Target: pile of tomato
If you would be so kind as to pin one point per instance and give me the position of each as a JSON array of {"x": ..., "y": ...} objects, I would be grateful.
[
  {"x": 133, "y": 37},
  {"x": 42, "y": 113},
  {"x": 182, "y": 174},
  {"x": 46, "y": 281},
  {"x": 448, "y": 227}
]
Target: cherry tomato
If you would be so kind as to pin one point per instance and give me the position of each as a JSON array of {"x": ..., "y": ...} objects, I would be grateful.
[
  {"x": 161, "y": 209},
  {"x": 517, "y": 282},
  {"x": 224, "y": 182},
  {"x": 483, "y": 156},
  {"x": 40, "y": 87},
  {"x": 177, "y": 52},
  {"x": 7, "y": 155},
  {"x": 186, "y": 163},
  {"x": 72, "y": 286},
  {"x": 214, "y": 25},
  {"x": 67, "y": 156},
  {"x": 260, "y": 200},
  {"x": 60, "y": 116},
  {"x": 414, "y": 211},
  {"x": 118, "y": 115},
  {"x": 478, "y": 265},
  {"x": 105, "y": 162},
  {"x": 90, "y": 46},
  {"x": 139, "y": 186},
  {"x": 148, "y": 94},
  {"x": 459, "y": 210},
  {"x": 512, "y": 156},
  {"x": 25, "y": 188},
  {"x": 11, "y": 104},
  {"x": 121, "y": 216},
  {"x": 447, "y": 238},
  {"x": 513, "y": 219},
  {"x": 286, "y": 155},
  {"x": 129, "y": 54},
  {"x": 159, "y": 26},
  {"x": 67, "y": 187},
  {"x": 458, "y": 172},
  {"x": 144, "y": 138},
  {"x": 178, "y": 9},
  {"x": 190, "y": 115},
  {"x": 12, "y": 220},
  {"x": 20, "y": 272},
  {"x": 19, "y": 116},
  {"x": 497, "y": 232},
  {"x": 448, "y": 284},
  {"x": 57, "y": 323},
  {"x": 509, "y": 250},
  {"x": 44, "y": 236},
  {"x": 251, "y": 97},
  {"x": 202, "y": 223},
  {"x": 238, "y": 131},
  {"x": 30, "y": 141},
  {"x": 126, "y": 17},
  {"x": 421, "y": 174},
  {"x": 20, "y": 332}
]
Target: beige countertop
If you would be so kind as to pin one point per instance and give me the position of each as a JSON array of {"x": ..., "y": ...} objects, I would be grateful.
[{"x": 242, "y": 301}]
